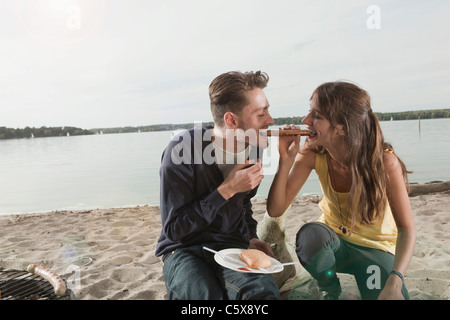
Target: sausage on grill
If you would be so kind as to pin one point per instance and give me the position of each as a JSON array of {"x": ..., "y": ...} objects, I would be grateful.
[{"x": 58, "y": 284}]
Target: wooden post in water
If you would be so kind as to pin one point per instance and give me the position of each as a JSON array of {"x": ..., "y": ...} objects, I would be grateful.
[{"x": 419, "y": 124}]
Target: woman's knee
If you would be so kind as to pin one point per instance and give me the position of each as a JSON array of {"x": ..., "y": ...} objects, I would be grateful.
[{"x": 312, "y": 238}]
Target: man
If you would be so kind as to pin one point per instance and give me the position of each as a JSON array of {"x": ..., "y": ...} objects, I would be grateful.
[{"x": 208, "y": 177}]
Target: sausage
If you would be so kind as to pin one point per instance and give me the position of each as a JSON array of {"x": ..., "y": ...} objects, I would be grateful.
[
  {"x": 293, "y": 132},
  {"x": 58, "y": 284}
]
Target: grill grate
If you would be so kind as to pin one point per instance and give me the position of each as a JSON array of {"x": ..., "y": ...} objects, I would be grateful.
[{"x": 22, "y": 285}]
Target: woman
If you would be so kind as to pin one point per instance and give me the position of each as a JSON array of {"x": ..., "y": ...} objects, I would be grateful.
[{"x": 367, "y": 228}]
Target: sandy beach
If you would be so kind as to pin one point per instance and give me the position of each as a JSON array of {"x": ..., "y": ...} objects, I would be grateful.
[{"x": 121, "y": 243}]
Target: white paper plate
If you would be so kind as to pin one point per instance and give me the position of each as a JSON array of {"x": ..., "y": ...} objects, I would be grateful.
[{"x": 242, "y": 266}]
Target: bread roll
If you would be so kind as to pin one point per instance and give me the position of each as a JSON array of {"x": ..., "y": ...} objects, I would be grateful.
[
  {"x": 292, "y": 132},
  {"x": 255, "y": 258}
]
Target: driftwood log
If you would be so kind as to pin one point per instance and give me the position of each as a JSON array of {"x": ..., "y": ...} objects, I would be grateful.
[{"x": 432, "y": 187}]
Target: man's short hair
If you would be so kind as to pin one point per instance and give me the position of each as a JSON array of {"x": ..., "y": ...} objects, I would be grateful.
[{"x": 228, "y": 92}]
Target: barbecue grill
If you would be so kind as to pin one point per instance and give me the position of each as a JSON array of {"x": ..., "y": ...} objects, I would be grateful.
[{"x": 22, "y": 285}]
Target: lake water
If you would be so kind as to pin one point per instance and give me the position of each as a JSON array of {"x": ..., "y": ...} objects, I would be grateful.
[{"x": 119, "y": 170}]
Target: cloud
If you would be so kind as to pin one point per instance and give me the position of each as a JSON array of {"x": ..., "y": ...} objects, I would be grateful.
[{"x": 150, "y": 62}]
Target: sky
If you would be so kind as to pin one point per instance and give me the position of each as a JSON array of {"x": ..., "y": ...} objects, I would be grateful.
[{"x": 113, "y": 63}]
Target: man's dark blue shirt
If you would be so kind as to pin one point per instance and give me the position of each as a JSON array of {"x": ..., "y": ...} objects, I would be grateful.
[{"x": 192, "y": 209}]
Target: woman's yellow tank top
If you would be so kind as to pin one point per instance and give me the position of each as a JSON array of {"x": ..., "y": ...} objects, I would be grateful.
[{"x": 381, "y": 235}]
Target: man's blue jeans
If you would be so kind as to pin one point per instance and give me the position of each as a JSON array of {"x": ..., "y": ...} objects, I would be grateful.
[{"x": 191, "y": 273}]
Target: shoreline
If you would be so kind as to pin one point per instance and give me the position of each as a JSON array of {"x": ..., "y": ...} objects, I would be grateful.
[
  {"x": 415, "y": 189},
  {"x": 122, "y": 241}
]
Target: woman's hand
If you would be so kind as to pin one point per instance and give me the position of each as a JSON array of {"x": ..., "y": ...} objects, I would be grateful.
[
  {"x": 392, "y": 289},
  {"x": 289, "y": 146}
]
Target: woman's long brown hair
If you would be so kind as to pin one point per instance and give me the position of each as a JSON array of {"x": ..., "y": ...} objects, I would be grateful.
[{"x": 344, "y": 103}]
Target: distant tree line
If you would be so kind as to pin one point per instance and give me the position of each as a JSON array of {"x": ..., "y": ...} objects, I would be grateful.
[
  {"x": 154, "y": 127},
  {"x": 406, "y": 115},
  {"x": 9, "y": 133},
  {"x": 287, "y": 120},
  {"x": 384, "y": 116},
  {"x": 27, "y": 132},
  {"x": 411, "y": 115}
]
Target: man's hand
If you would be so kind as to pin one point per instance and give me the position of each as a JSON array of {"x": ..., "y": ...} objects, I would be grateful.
[
  {"x": 243, "y": 177},
  {"x": 255, "y": 243}
]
